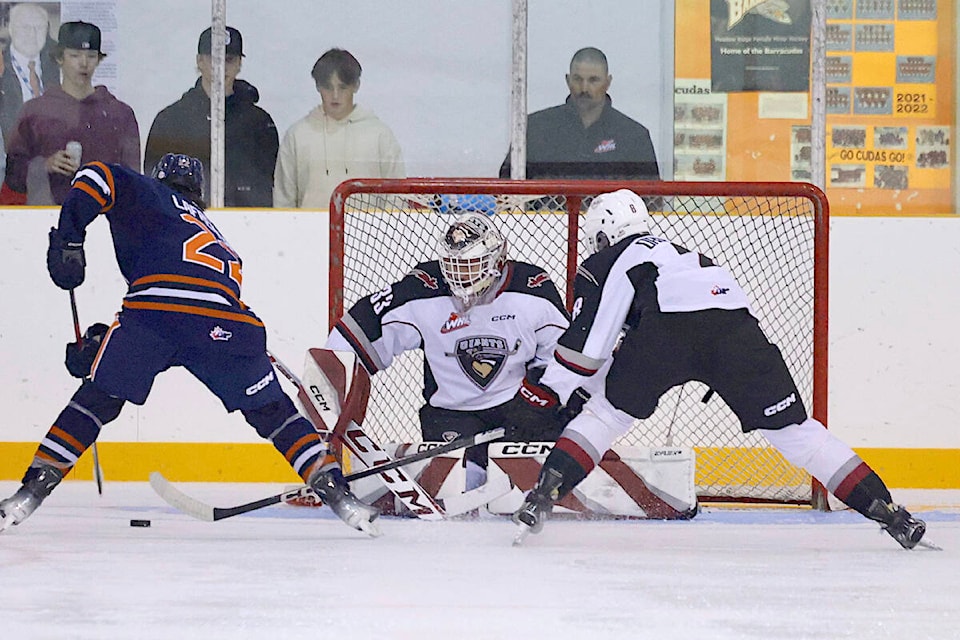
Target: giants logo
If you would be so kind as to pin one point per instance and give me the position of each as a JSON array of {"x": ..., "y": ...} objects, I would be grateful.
[
  {"x": 482, "y": 358},
  {"x": 537, "y": 280},
  {"x": 428, "y": 280},
  {"x": 454, "y": 322}
]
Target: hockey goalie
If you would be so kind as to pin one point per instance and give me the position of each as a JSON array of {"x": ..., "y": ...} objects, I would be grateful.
[{"x": 487, "y": 325}]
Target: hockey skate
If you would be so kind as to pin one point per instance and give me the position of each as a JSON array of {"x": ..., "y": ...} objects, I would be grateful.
[
  {"x": 335, "y": 493},
  {"x": 898, "y": 522},
  {"x": 38, "y": 482},
  {"x": 538, "y": 504}
]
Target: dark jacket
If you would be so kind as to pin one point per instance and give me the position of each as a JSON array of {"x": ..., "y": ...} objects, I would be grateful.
[
  {"x": 11, "y": 95},
  {"x": 612, "y": 148},
  {"x": 250, "y": 146}
]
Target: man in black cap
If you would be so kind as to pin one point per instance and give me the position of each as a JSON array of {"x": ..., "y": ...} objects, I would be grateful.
[
  {"x": 251, "y": 141},
  {"x": 76, "y": 111}
]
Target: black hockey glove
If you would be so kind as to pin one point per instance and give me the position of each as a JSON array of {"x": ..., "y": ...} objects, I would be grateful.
[
  {"x": 574, "y": 405},
  {"x": 66, "y": 262},
  {"x": 80, "y": 357},
  {"x": 532, "y": 413}
]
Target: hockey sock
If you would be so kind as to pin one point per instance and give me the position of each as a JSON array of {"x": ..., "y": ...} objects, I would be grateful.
[
  {"x": 77, "y": 427},
  {"x": 861, "y": 487},
  {"x": 292, "y": 435},
  {"x": 571, "y": 462}
]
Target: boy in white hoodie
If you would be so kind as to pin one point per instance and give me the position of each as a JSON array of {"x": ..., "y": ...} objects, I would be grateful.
[{"x": 337, "y": 140}]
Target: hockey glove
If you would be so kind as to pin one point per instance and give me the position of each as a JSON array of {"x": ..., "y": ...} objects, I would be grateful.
[
  {"x": 66, "y": 262},
  {"x": 80, "y": 357},
  {"x": 574, "y": 405},
  {"x": 532, "y": 413}
]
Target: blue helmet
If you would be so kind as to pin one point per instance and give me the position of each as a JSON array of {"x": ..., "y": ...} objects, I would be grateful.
[{"x": 181, "y": 173}]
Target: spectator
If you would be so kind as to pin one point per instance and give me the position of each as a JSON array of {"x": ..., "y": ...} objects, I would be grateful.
[
  {"x": 586, "y": 138},
  {"x": 28, "y": 64},
  {"x": 250, "y": 144},
  {"x": 335, "y": 141},
  {"x": 75, "y": 111}
]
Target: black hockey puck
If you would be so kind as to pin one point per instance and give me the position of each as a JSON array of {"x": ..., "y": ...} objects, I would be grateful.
[{"x": 139, "y": 523}]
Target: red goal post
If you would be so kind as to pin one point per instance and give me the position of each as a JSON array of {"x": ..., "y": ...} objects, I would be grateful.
[{"x": 773, "y": 236}]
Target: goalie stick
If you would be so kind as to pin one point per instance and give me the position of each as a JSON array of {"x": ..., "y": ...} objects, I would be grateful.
[
  {"x": 452, "y": 506},
  {"x": 347, "y": 434}
]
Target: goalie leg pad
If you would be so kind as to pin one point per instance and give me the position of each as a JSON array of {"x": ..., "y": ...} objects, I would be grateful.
[{"x": 337, "y": 389}]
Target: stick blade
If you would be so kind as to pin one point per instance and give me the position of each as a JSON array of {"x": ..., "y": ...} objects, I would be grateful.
[{"x": 179, "y": 500}]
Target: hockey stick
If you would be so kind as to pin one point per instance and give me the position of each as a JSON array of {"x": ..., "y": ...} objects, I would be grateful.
[
  {"x": 97, "y": 470},
  {"x": 354, "y": 439},
  {"x": 202, "y": 511}
]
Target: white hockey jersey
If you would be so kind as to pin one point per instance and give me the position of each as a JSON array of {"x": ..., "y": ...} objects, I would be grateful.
[
  {"x": 639, "y": 275},
  {"x": 472, "y": 360}
]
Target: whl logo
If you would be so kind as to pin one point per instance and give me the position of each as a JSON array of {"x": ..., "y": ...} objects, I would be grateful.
[
  {"x": 454, "y": 322},
  {"x": 606, "y": 146}
]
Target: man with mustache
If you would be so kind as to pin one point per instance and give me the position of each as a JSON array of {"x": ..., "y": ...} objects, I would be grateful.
[{"x": 586, "y": 138}]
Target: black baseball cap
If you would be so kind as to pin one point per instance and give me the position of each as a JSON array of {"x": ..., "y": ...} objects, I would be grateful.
[
  {"x": 80, "y": 35},
  {"x": 234, "y": 42}
]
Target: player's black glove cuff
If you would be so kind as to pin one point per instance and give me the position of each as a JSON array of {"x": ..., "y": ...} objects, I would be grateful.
[
  {"x": 574, "y": 405},
  {"x": 66, "y": 261},
  {"x": 80, "y": 357}
]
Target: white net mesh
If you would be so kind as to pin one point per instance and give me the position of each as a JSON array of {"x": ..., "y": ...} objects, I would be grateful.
[{"x": 765, "y": 234}]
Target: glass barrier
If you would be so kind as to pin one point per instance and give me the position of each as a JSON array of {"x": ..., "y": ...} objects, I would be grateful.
[{"x": 726, "y": 98}]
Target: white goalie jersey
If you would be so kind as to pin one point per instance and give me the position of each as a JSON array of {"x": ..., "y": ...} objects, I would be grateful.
[{"x": 473, "y": 359}]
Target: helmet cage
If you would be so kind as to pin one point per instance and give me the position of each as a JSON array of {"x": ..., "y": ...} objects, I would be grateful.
[{"x": 472, "y": 257}]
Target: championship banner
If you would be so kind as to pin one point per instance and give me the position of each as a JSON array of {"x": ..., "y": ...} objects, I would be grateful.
[{"x": 760, "y": 45}]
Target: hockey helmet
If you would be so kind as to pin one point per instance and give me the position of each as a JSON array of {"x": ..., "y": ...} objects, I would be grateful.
[
  {"x": 473, "y": 253},
  {"x": 612, "y": 217},
  {"x": 180, "y": 172}
]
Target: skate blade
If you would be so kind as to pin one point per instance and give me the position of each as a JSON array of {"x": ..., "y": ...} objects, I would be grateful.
[
  {"x": 371, "y": 528},
  {"x": 6, "y": 523},
  {"x": 923, "y": 543},
  {"x": 522, "y": 532}
]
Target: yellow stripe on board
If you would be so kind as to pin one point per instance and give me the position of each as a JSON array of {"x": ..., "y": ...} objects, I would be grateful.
[{"x": 225, "y": 462}]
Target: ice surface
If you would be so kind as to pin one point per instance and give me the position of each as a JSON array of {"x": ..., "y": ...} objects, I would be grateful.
[{"x": 77, "y": 569}]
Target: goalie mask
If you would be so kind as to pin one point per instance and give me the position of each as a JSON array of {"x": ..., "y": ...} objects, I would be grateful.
[
  {"x": 614, "y": 216},
  {"x": 472, "y": 256}
]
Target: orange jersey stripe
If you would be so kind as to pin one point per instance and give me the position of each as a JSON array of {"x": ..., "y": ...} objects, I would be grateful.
[
  {"x": 169, "y": 277},
  {"x": 198, "y": 311},
  {"x": 90, "y": 191},
  {"x": 109, "y": 176}
]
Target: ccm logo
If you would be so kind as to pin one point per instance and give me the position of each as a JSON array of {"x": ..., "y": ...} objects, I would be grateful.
[
  {"x": 780, "y": 406},
  {"x": 263, "y": 382},
  {"x": 527, "y": 449},
  {"x": 533, "y": 398},
  {"x": 318, "y": 398},
  {"x": 505, "y": 317}
]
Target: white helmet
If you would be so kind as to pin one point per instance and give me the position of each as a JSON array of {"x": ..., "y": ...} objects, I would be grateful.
[
  {"x": 614, "y": 216},
  {"x": 472, "y": 256}
]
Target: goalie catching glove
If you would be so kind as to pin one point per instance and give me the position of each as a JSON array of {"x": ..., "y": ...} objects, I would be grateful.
[
  {"x": 80, "y": 356},
  {"x": 66, "y": 261}
]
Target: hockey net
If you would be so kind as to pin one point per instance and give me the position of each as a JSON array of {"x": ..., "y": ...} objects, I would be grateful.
[{"x": 773, "y": 236}]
